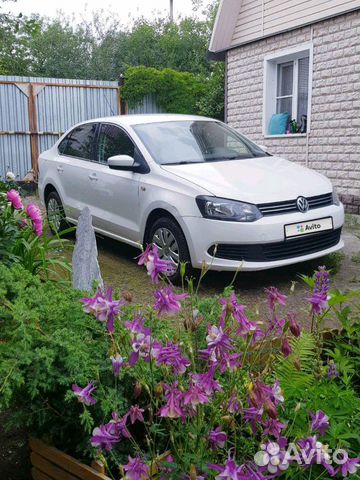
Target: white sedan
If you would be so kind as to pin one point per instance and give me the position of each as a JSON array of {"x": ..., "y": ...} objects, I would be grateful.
[{"x": 199, "y": 190}]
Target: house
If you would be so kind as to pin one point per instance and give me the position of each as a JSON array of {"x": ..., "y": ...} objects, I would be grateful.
[{"x": 293, "y": 81}]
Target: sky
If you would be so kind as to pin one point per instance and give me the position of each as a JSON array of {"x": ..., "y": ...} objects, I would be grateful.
[{"x": 83, "y": 8}]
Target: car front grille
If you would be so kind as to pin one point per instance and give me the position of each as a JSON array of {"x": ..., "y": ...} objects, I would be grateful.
[
  {"x": 268, "y": 252},
  {"x": 289, "y": 206}
]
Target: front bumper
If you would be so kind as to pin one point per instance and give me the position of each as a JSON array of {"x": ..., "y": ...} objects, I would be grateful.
[{"x": 202, "y": 234}]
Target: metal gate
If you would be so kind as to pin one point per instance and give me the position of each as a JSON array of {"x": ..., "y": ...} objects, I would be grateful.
[{"x": 35, "y": 112}]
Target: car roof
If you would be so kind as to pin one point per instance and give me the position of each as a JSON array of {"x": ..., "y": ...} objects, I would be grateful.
[{"x": 148, "y": 118}]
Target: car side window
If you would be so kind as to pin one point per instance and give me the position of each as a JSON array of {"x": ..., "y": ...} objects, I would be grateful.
[
  {"x": 112, "y": 141},
  {"x": 80, "y": 142}
]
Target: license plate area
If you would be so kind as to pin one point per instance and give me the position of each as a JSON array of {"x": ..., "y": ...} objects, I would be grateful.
[{"x": 309, "y": 227}]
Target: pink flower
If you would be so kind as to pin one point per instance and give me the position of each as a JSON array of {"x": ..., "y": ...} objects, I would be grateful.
[
  {"x": 195, "y": 396},
  {"x": 206, "y": 381},
  {"x": 274, "y": 297},
  {"x": 154, "y": 265},
  {"x": 167, "y": 303},
  {"x": 84, "y": 394},
  {"x": 34, "y": 213},
  {"x": 14, "y": 198},
  {"x": 105, "y": 436},
  {"x": 273, "y": 427}
]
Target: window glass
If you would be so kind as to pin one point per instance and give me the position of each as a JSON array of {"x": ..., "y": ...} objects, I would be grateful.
[
  {"x": 113, "y": 141},
  {"x": 190, "y": 141},
  {"x": 284, "y": 97},
  {"x": 303, "y": 87},
  {"x": 80, "y": 142}
]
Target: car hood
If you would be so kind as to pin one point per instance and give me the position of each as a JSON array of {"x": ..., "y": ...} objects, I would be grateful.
[{"x": 254, "y": 180}]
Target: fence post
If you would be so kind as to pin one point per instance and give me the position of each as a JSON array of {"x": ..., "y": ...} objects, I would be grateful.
[
  {"x": 122, "y": 104},
  {"x": 34, "y": 142}
]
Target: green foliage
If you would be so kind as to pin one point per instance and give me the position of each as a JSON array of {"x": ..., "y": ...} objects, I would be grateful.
[
  {"x": 175, "y": 92},
  {"x": 47, "y": 344}
]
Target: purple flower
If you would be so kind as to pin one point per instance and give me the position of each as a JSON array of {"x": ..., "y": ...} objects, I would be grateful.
[
  {"x": 273, "y": 427},
  {"x": 217, "y": 438},
  {"x": 141, "y": 346},
  {"x": 206, "y": 381},
  {"x": 171, "y": 356},
  {"x": 105, "y": 436},
  {"x": 253, "y": 415},
  {"x": 332, "y": 370},
  {"x": 293, "y": 325},
  {"x": 219, "y": 346},
  {"x": 117, "y": 362},
  {"x": 136, "y": 469},
  {"x": 137, "y": 326},
  {"x": 322, "y": 281},
  {"x": 135, "y": 414},
  {"x": 154, "y": 265},
  {"x": 230, "y": 471},
  {"x": 274, "y": 297},
  {"x": 167, "y": 303},
  {"x": 195, "y": 396},
  {"x": 103, "y": 307},
  {"x": 319, "y": 422},
  {"x": 14, "y": 198},
  {"x": 174, "y": 403},
  {"x": 276, "y": 325},
  {"x": 318, "y": 302},
  {"x": 286, "y": 347},
  {"x": 233, "y": 404},
  {"x": 314, "y": 452},
  {"x": 119, "y": 425},
  {"x": 276, "y": 393},
  {"x": 84, "y": 394},
  {"x": 349, "y": 465},
  {"x": 230, "y": 307}
]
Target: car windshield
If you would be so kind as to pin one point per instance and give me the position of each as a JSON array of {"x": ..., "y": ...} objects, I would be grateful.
[{"x": 182, "y": 142}]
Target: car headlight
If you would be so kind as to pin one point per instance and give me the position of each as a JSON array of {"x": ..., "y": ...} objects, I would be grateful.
[
  {"x": 231, "y": 210},
  {"x": 335, "y": 197}
]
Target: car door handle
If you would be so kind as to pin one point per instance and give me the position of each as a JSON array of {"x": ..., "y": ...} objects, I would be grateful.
[
  {"x": 93, "y": 176},
  {"x": 60, "y": 169}
]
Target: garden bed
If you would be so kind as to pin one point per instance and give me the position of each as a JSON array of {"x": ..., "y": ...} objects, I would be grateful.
[{"x": 49, "y": 463}]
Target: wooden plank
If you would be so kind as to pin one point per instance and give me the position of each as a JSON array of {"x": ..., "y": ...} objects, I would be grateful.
[
  {"x": 66, "y": 462},
  {"x": 37, "y": 475},
  {"x": 54, "y": 472}
]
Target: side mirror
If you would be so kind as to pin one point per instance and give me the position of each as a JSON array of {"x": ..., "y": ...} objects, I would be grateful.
[{"x": 121, "y": 162}]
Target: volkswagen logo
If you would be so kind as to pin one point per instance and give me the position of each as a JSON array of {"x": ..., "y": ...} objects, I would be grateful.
[{"x": 302, "y": 204}]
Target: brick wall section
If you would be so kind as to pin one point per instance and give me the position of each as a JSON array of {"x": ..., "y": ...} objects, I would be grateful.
[{"x": 333, "y": 144}]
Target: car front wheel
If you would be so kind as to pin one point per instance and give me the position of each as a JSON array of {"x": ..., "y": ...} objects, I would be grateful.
[{"x": 170, "y": 240}]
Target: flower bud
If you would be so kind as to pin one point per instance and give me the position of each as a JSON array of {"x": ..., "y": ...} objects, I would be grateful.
[
  {"x": 293, "y": 325},
  {"x": 193, "y": 475},
  {"x": 286, "y": 347},
  {"x": 159, "y": 390},
  {"x": 128, "y": 296},
  {"x": 270, "y": 409},
  {"x": 297, "y": 364},
  {"x": 137, "y": 390}
]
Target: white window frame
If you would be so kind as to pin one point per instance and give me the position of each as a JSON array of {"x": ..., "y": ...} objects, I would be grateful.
[{"x": 270, "y": 85}]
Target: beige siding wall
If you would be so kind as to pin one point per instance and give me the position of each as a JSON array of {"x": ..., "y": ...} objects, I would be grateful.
[
  {"x": 259, "y": 18},
  {"x": 333, "y": 144}
]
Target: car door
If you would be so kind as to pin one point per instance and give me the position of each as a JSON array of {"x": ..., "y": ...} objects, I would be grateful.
[
  {"x": 116, "y": 192},
  {"x": 76, "y": 154}
]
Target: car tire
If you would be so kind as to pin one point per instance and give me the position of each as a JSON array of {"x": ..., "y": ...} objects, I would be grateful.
[
  {"x": 171, "y": 231},
  {"x": 55, "y": 213}
]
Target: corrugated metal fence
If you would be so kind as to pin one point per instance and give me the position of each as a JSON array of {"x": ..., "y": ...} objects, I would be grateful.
[{"x": 35, "y": 112}]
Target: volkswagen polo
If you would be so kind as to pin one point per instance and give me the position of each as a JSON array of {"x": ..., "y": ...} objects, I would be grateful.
[{"x": 193, "y": 186}]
